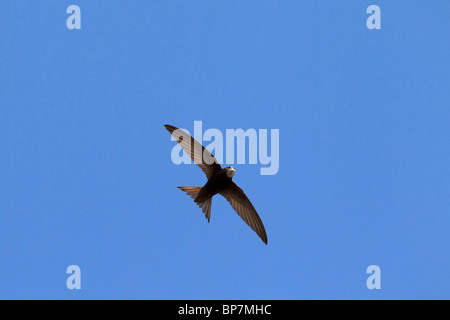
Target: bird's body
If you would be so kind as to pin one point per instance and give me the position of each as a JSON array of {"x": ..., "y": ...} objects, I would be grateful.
[{"x": 219, "y": 181}]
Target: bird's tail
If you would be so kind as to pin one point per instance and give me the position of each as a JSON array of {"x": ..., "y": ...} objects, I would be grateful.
[{"x": 205, "y": 204}]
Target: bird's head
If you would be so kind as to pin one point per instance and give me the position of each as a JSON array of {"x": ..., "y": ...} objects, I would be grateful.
[{"x": 230, "y": 171}]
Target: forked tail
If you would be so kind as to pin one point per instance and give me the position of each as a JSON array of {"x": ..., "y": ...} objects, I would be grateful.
[{"x": 204, "y": 204}]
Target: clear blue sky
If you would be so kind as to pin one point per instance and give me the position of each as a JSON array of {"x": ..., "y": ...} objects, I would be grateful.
[{"x": 86, "y": 176}]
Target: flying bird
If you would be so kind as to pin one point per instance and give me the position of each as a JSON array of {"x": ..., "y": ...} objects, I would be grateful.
[{"x": 219, "y": 182}]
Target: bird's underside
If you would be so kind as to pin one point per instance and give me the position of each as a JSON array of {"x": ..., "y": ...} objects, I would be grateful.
[{"x": 219, "y": 181}]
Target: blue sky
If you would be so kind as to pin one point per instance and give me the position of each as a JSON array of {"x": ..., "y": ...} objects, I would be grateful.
[{"x": 86, "y": 176}]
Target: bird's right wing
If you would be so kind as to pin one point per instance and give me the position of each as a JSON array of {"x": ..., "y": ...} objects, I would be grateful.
[
  {"x": 198, "y": 153},
  {"x": 244, "y": 208}
]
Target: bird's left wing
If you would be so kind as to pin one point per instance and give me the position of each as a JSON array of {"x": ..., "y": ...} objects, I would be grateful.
[
  {"x": 244, "y": 208},
  {"x": 198, "y": 153}
]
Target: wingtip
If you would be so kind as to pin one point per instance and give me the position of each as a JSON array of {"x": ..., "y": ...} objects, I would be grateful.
[{"x": 170, "y": 128}]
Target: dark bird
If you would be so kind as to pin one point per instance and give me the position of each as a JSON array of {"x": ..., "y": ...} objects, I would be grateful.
[{"x": 219, "y": 181}]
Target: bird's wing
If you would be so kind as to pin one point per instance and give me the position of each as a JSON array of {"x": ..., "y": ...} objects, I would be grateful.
[
  {"x": 198, "y": 153},
  {"x": 244, "y": 208}
]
